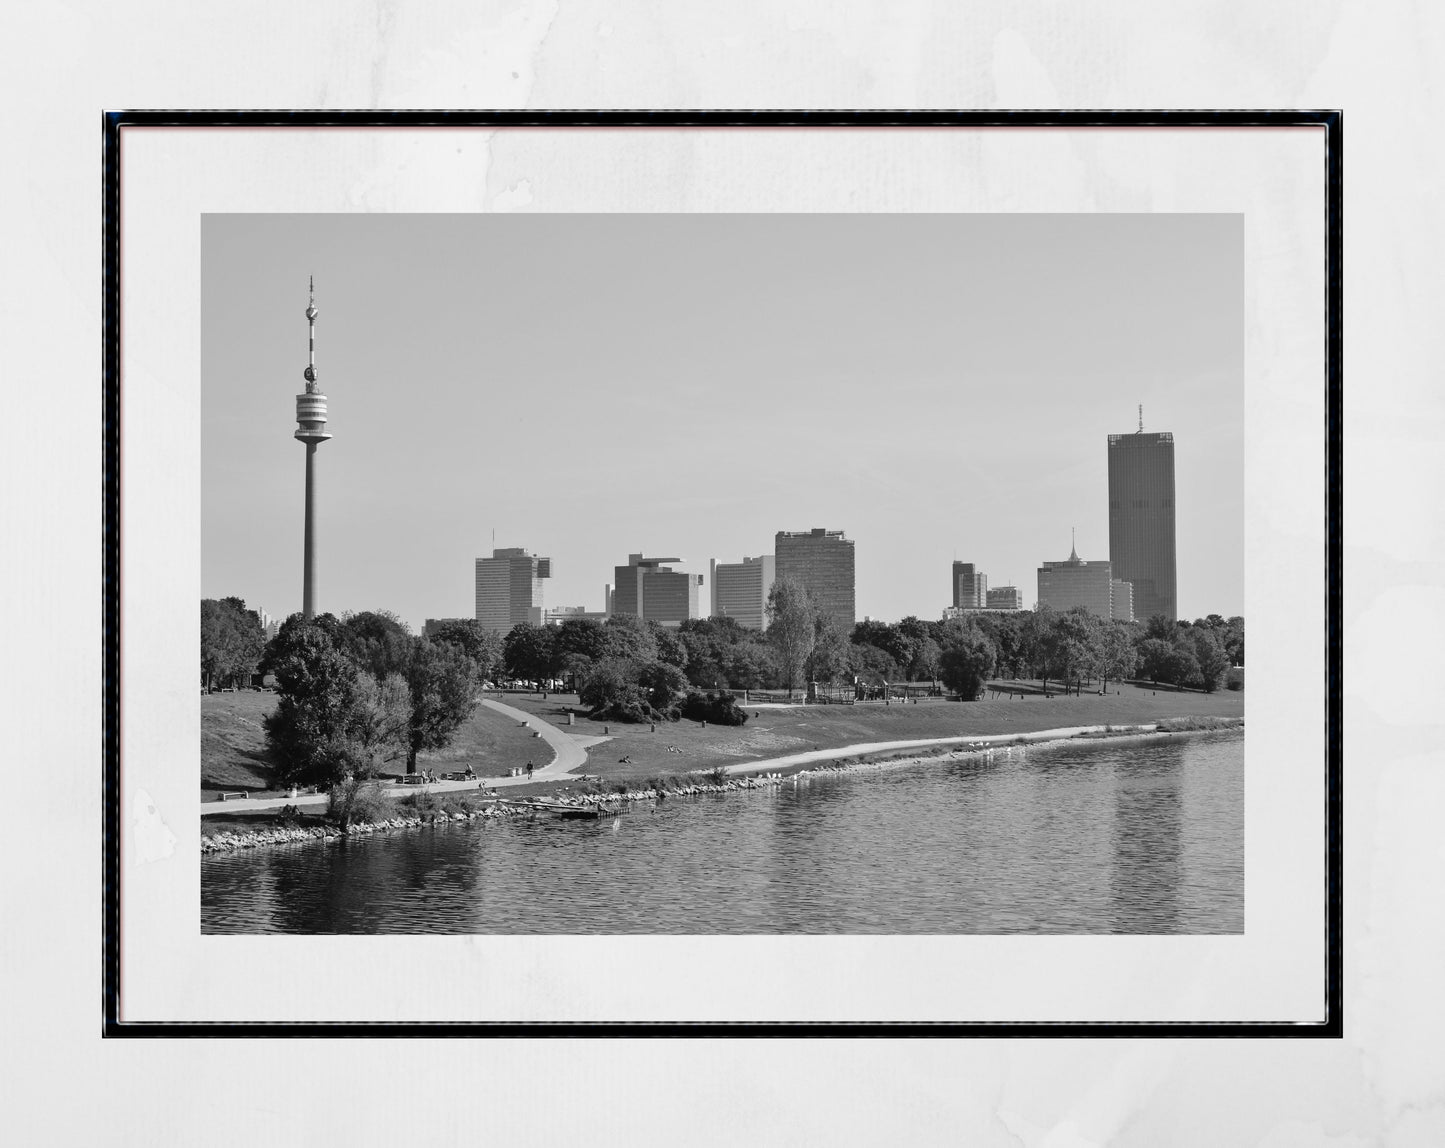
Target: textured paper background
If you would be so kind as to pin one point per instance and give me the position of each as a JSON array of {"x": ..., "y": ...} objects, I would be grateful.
[{"x": 64, "y": 63}]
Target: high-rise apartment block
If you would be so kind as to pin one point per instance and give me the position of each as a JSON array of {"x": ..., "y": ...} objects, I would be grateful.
[
  {"x": 432, "y": 626},
  {"x": 1005, "y": 598},
  {"x": 970, "y": 586},
  {"x": 509, "y": 589},
  {"x": 1064, "y": 585},
  {"x": 1141, "y": 519},
  {"x": 822, "y": 561},
  {"x": 740, "y": 589},
  {"x": 654, "y": 592}
]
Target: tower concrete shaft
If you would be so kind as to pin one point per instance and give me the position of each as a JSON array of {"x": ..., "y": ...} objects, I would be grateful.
[
  {"x": 310, "y": 429},
  {"x": 308, "y": 562}
]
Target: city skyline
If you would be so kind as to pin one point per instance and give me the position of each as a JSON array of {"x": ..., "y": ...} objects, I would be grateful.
[{"x": 488, "y": 370}]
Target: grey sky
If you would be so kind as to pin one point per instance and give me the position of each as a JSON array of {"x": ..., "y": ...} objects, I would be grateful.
[{"x": 594, "y": 385}]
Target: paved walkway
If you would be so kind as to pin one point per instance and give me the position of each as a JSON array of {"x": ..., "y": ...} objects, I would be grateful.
[
  {"x": 978, "y": 740},
  {"x": 567, "y": 755}
]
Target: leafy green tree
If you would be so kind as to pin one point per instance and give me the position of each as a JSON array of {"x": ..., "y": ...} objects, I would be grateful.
[
  {"x": 1117, "y": 655},
  {"x": 232, "y": 641},
  {"x": 663, "y": 686},
  {"x": 628, "y": 636},
  {"x": 1155, "y": 659},
  {"x": 1209, "y": 654},
  {"x": 705, "y": 666},
  {"x": 792, "y": 628},
  {"x": 1077, "y": 642},
  {"x": 619, "y": 689},
  {"x": 1182, "y": 665},
  {"x": 829, "y": 659},
  {"x": 377, "y": 641},
  {"x": 443, "y": 684},
  {"x": 311, "y": 729},
  {"x": 670, "y": 647},
  {"x": 1160, "y": 627},
  {"x": 480, "y": 644},
  {"x": 1037, "y": 646},
  {"x": 377, "y": 735},
  {"x": 528, "y": 652},
  {"x": 965, "y": 661},
  {"x": 610, "y": 692},
  {"x": 891, "y": 639},
  {"x": 873, "y": 666},
  {"x": 750, "y": 666},
  {"x": 1234, "y": 640},
  {"x": 927, "y": 658}
]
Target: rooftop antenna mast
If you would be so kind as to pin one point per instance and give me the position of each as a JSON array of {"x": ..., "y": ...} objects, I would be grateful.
[{"x": 1141, "y": 418}]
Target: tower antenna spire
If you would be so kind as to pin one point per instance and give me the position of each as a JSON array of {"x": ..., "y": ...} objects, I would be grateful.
[{"x": 1141, "y": 418}]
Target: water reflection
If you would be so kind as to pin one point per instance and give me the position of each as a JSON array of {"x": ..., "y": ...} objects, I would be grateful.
[
  {"x": 1133, "y": 838},
  {"x": 1148, "y": 842}
]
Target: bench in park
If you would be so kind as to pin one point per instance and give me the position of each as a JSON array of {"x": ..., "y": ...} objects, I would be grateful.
[{"x": 229, "y": 796}]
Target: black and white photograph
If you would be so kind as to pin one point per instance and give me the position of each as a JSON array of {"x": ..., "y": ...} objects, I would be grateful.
[{"x": 726, "y": 573}]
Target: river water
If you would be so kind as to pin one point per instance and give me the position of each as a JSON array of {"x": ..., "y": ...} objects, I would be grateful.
[{"x": 1104, "y": 837}]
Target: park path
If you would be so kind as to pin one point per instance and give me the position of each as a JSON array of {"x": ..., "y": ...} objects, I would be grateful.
[
  {"x": 567, "y": 754},
  {"x": 977, "y": 740}
]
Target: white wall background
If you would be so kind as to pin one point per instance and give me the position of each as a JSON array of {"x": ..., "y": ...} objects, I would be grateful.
[{"x": 64, "y": 63}]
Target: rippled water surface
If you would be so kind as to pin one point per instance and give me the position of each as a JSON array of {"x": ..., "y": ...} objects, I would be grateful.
[{"x": 1138, "y": 837}]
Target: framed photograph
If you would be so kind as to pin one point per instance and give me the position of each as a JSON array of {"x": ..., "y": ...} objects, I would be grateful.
[{"x": 723, "y": 573}]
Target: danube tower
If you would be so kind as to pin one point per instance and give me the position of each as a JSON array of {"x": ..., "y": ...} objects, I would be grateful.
[{"x": 310, "y": 429}]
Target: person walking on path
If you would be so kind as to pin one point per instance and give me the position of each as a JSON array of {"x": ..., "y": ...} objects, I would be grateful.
[{"x": 529, "y": 771}]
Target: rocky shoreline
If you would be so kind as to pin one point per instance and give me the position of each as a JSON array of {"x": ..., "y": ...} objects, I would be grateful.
[{"x": 224, "y": 842}]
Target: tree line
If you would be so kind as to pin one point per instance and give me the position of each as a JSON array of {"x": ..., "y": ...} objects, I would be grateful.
[
  {"x": 629, "y": 667},
  {"x": 361, "y": 691}
]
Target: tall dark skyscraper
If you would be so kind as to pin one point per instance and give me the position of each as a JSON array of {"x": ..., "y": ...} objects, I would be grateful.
[{"x": 1141, "y": 519}]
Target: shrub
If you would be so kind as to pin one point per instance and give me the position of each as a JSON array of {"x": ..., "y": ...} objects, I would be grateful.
[
  {"x": 353, "y": 801},
  {"x": 422, "y": 802},
  {"x": 720, "y": 709}
]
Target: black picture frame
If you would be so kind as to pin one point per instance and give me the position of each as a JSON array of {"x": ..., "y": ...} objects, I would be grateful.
[{"x": 114, "y": 122}]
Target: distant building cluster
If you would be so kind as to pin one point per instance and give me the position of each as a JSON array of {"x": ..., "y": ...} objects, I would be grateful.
[
  {"x": 509, "y": 585},
  {"x": 269, "y": 625},
  {"x": 1137, "y": 581}
]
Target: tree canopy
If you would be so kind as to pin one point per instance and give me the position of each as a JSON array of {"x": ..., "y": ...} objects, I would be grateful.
[
  {"x": 792, "y": 628},
  {"x": 232, "y": 641}
]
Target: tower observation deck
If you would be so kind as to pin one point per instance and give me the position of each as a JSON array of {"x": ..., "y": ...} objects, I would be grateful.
[{"x": 311, "y": 406}]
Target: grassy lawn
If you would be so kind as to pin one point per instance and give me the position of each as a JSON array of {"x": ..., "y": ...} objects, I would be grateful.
[
  {"x": 234, "y": 756},
  {"x": 775, "y": 732}
]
